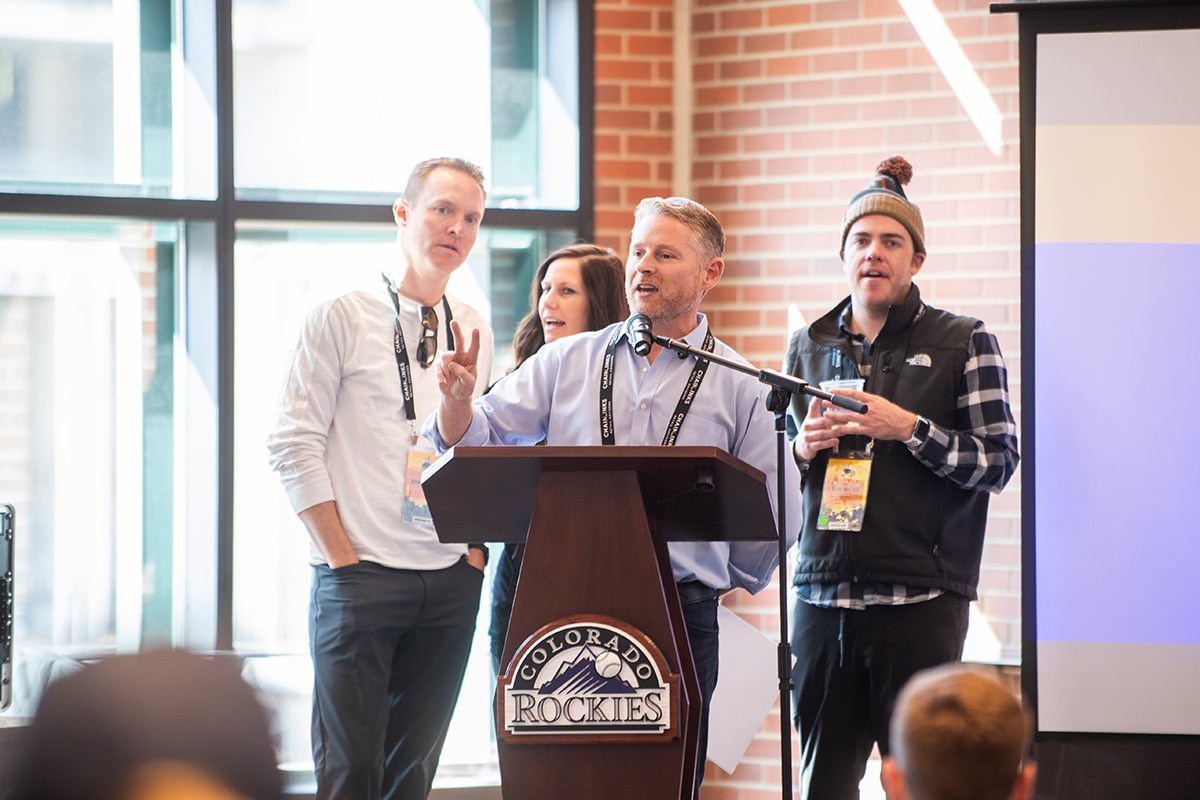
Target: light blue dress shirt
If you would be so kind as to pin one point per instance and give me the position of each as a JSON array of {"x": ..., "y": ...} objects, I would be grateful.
[{"x": 555, "y": 395}]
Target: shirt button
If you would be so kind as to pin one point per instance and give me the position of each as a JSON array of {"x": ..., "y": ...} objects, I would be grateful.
[
  {"x": 645, "y": 370},
  {"x": 643, "y": 406}
]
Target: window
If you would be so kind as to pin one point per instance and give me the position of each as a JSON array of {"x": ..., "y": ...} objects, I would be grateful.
[{"x": 180, "y": 181}]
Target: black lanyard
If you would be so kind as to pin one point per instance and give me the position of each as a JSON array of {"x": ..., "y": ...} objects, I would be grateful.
[
  {"x": 690, "y": 390},
  {"x": 402, "y": 363}
]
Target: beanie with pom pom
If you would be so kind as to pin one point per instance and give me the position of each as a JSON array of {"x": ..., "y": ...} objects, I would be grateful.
[{"x": 885, "y": 195}]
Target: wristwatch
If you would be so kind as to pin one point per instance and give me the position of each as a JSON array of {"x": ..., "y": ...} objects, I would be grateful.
[{"x": 919, "y": 435}]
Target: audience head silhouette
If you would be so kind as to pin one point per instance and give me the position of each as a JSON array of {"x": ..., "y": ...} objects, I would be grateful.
[
  {"x": 153, "y": 726},
  {"x": 957, "y": 733}
]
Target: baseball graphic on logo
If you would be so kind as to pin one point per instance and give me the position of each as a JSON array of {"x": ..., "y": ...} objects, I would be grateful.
[{"x": 608, "y": 664}]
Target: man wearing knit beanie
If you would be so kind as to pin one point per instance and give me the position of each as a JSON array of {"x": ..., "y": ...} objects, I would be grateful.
[{"x": 895, "y": 499}]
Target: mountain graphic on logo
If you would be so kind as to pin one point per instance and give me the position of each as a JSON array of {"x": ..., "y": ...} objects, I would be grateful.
[{"x": 581, "y": 677}]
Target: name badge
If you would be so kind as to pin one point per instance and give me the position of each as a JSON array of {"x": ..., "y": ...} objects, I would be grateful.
[
  {"x": 844, "y": 494},
  {"x": 416, "y": 510}
]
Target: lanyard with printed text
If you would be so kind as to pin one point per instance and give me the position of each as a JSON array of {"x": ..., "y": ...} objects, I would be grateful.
[
  {"x": 402, "y": 363},
  {"x": 690, "y": 390}
]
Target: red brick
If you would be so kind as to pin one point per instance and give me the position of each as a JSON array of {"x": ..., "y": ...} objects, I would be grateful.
[
  {"x": 607, "y": 119},
  {"x": 812, "y": 140},
  {"x": 611, "y": 169},
  {"x": 967, "y": 27},
  {"x": 608, "y": 94},
  {"x": 935, "y": 107},
  {"x": 859, "y": 137},
  {"x": 901, "y": 33},
  {"x": 717, "y": 95},
  {"x": 765, "y": 42},
  {"x": 790, "y": 14},
  {"x": 742, "y": 118},
  {"x": 903, "y": 83},
  {"x": 859, "y": 86},
  {"x": 787, "y": 116},
  {"x": 613, "y": 220},
  {"x": 881, "y": 8},
  {"x": 702, "y": 73},
  {"x": 990, "y": 53},
  {"x": 608, "y": 45},
  {"x": 620, "y": 69},
  {"x": 764, "y": 92},
  {"x": 787, "y": 217},
  {"x": 892, "y": 58},
  {"x": 855, "y": 36},
  {"x": 704, "y": 22},
  {"x": 812, "y": 39},
  {"x": 788, "y": 65},
  {"x": 607, "y": 144},
  {"x": 740, "y": 70},
  {"x": 835, "y": 62},
  {"x": 635, "y": 194},
  {"x": 640, "y": 95},
  {"x": 607, "y": 194},
  {"x": 709, "y": 46},
  {"x": 739, "y": 169},
  {"x": 651, "y": 45},
  {"x": 840, "y": 112},
  {"x": 741, "y": 218},
  {"x": 840, "y": 10},
  {"x": 704, "y": 122},
  {"x": 765, "y": 192},
  {"x": 716, "y": 145},
  {"x": 811, "y": 89},
  {"x": 608, "y": 19},
  {"x": 742, "y": 18},
  {"x": 716, "y": 194},
  {"x": 765, "y": 142},
  {"x": 886, "y": 110},
  {"x": 649, "y": 145}
]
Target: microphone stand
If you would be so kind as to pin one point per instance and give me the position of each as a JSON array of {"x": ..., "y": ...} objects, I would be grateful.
[{"x": 782, "y": 389}]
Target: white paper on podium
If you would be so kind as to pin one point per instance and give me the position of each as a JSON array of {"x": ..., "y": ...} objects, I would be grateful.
[{"x": 747, "y": 687}]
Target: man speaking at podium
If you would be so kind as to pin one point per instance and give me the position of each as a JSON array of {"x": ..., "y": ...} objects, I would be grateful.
[{"x": 675, "y": 258}]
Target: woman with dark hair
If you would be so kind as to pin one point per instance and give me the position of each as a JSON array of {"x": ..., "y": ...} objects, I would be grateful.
[{"x": 576, "y": 289}]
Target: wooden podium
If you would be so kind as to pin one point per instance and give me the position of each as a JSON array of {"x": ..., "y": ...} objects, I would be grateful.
[{"x": 598, "y": 696}]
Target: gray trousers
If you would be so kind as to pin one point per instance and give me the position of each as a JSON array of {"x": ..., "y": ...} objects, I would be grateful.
[{"x": 389, "y": 648}]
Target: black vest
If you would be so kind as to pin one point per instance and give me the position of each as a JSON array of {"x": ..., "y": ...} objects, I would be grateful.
[{"x": 920, "y": 530}]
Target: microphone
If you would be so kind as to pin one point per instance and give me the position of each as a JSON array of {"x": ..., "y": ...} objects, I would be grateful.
[{"x": 638, "y": 328}]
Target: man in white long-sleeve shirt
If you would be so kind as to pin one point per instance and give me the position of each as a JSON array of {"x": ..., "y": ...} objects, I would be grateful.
[{"x": 392, "y": 609}]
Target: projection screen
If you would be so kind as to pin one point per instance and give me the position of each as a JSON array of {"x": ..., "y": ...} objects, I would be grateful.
[{"x": 1116, "y": 399}]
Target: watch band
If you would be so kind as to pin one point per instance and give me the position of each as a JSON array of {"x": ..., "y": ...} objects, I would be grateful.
[{"x": 919, "y": 435}]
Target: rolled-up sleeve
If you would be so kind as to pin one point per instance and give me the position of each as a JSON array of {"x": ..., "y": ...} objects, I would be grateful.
[{"x": 296, "y": 447}]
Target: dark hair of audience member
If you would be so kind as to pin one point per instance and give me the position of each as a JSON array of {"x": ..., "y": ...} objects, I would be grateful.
[{"x": 604, "y": 282}]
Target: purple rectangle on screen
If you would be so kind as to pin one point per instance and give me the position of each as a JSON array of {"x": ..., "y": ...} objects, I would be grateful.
[{"x": 1117, "y": 421}]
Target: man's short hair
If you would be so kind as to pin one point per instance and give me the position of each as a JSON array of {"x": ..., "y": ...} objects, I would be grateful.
[
  {"x": 957, "y": 733},
  {"x": 710, "y": 236},
  {"x": 422, "y": 171}
]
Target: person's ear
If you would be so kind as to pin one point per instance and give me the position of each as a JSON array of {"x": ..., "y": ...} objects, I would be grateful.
[
  {"x": 892, "y": 780},
  {"x": 918, "y": 262},
  {"x": 712, "y": 273},
  {"x": 1026, "y": 779},
  {"x": 400, "y": 211}
]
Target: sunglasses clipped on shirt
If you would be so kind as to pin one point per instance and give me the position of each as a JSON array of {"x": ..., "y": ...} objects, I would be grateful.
[{"x": 427, "y": 346}]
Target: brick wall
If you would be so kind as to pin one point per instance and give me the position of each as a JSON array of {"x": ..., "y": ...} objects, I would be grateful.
[{"x": 791, "y": 105}]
